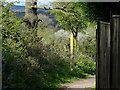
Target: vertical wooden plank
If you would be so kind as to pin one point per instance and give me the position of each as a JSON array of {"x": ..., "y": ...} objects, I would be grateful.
[
  {"x": 115, "y": 52},
  {"x": 113, "y": 55},
  {"x": 97, "y": 54},
  {"x": 118, "y": 28},
  {"x": 107, "y": 56},
  {"x": 103, "y": 55},
  {"x": 101, "y": 64}
]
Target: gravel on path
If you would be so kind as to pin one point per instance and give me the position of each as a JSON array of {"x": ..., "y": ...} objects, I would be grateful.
[{"x": 85, "y": 84}]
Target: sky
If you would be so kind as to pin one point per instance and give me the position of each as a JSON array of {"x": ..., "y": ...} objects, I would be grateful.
[
  {"x": 40, "y": 2},
  {"x": 47, "y": 2}
]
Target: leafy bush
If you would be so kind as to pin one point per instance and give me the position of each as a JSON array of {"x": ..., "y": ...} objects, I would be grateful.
[
  {"x": 89, "y": 46},
  {"x": 84, "y": 66}
]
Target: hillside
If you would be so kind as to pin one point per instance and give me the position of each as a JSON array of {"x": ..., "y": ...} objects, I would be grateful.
[{"x": 20, "y": 12}]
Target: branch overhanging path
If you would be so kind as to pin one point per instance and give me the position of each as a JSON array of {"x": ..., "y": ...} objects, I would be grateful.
[{"x": 69, "y": 12}]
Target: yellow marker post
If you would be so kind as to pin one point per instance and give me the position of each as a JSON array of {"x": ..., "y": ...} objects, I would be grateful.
[
  {"x": 71, "y": 44},
  {"x": 71, "y": 50}
]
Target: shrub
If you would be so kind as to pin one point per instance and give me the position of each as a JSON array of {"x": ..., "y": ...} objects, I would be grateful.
[{"x": 84, "y": 66}]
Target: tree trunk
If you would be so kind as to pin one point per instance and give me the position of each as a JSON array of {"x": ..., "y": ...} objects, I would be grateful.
[{"x": 31, "y": 18}]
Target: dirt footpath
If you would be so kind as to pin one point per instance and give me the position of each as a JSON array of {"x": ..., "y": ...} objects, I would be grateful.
[{"x": 86, "y": 83}]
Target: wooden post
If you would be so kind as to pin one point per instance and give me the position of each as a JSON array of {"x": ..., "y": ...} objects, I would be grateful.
[
  {"x": 71, "y": 45},
  {"x": 103, "y": 55}
]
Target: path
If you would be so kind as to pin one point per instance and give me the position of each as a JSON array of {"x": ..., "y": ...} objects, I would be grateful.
[{"x": 86, "y": 83}]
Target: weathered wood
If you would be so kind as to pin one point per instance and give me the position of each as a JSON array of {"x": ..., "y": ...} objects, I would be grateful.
[
  {"x": 97, "y": 55},
  {"x": 103, "y": 55},
  {"x": 108, "y": 54},
  {"x": 115, "y": 52}
]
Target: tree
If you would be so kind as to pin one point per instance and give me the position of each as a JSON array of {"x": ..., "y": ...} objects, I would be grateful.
[
  {"x": 31, "y": 14},
  {"x": 68, "y": 14},
  {"x": 82, "y": 12},
  {"x": 74, "y": 20},
  {"x": 31, "y": 19}
]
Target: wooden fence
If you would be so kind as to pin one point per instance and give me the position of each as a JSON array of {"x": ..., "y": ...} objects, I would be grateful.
[{"x": 108, "y": 54}]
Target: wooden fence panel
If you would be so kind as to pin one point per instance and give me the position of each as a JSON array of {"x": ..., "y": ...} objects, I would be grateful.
[
  {"x": 115, "y": 52},
  {"x": 103, "y": 55},
  {"x": 108, "y": 54}
]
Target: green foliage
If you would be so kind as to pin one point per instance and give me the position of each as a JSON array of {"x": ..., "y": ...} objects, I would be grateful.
[
  {"x": 91, "y": 11},
  {"x": 84, "y": 66},
  {"x": 30, "y": 63},
  {"x": 89, "y": 46},
  {"x": 74, "y": 21}
]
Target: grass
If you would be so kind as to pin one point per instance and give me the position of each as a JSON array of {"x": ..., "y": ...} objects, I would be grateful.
[
  {"x": 73, "y": 79},
  {"x": 93, "y": 88},
  {"x": 69, "y": 80}
]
